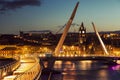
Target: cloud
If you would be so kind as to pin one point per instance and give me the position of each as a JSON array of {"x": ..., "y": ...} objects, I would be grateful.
[{"x": 15, "y": 4}]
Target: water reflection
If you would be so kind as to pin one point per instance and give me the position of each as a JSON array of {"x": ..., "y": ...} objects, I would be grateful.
[
  {"x": 116, "y": 67},
  {"x": 58, "y": 64},
  {"x": 85, "y": 65},
  {"x": 86, "y": 70}
]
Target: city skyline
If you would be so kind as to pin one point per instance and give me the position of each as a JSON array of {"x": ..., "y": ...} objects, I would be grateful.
[{"x": 50, "y": 14}]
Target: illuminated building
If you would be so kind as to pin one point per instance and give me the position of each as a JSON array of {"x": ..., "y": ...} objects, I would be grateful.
[
  {"x": 82, "y": 37},
  {"x": 44, "y": 37},
  {"x": 115, "y": 39},
  {"x": 9, "y": 51}
]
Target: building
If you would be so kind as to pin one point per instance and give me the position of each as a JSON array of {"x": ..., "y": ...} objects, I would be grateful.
[
  {"x": 9, "y": 51},
  {"x": 82, "y": 37},
  {"x": 44, "y": 37}
]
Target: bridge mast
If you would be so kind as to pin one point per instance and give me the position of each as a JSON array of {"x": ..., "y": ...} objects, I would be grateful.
[
  {"x": 103, "y": 45},
  {"x": 59, "y": 45}
]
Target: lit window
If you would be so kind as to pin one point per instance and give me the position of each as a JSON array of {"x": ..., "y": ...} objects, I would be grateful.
[{"x": 83, "y": 31}]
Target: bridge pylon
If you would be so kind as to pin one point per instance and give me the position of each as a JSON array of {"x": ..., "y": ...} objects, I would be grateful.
[
  {"x": 100, "y": 40},
  {"x": 60, "y": 43}
]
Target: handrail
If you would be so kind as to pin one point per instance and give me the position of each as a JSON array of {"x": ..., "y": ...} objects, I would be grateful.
[
  {"x": 31, "y": 73},
  {"x": 8, "y": 68}
]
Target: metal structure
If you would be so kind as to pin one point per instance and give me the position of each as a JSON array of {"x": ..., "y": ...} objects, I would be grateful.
[
  {"x": 57, "y": 50},
  {"x": 102, "y": 44},
  {"x": 61, "y": 27}
]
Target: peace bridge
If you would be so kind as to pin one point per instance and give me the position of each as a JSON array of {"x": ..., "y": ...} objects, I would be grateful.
[{"x": 29, "y": 60}]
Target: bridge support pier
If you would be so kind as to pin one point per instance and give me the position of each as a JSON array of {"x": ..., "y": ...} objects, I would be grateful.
[
  {"x": 50, "y": 63},
  {"x": 41, "y": 63}
]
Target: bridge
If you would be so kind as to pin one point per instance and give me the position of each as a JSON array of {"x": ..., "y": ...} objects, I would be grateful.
[
  {"x": 34, "y": 71},
  {"x": 110, "y": 60},
  {"x": 56, "y": 55}
]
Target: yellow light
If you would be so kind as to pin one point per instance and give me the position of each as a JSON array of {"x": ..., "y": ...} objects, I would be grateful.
[
  {"x": 4, "y": 73},
  {"x": 12, "y": 77},
  {"x": 63, "y": 55},
  {"x": 84, "y": 55},
  {"x": 71, "y": 55},
  {"x": 64, "y": 47},
  {"x": 76, "y": 55},
  {"x": 67, "y": 55},
  {"x": 59, "y": 55},
  {"x": 72, "y": 47}
]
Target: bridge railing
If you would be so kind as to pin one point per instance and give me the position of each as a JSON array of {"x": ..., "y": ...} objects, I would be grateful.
[
  {"x": 82, "y": 55},
  {"x": 31, "y": 74},
  {"x": 79, "y": 55}
]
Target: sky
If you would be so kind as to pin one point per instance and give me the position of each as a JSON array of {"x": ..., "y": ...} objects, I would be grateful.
[{"x": 28, "y": 15}]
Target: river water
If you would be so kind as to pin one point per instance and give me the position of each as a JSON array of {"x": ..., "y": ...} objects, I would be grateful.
[{"x": 85, "y": 70}]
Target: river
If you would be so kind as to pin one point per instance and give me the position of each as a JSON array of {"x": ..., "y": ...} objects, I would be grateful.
[{"x": 85, "y": 70}]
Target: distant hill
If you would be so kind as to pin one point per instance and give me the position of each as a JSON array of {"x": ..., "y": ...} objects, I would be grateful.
[{"x": 118, "y": 32}]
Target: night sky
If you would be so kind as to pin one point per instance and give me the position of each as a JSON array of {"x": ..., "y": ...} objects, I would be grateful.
[{"x": 27, "y": 15}]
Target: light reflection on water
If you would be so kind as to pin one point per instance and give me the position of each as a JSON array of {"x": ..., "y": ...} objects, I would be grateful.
[{"x": 85, "y": 70}]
